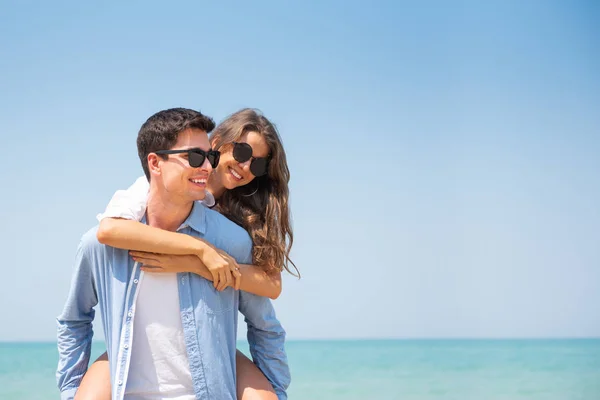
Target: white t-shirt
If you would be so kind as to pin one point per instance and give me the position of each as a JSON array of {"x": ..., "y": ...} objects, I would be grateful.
[{"x": 159, "y": 367}]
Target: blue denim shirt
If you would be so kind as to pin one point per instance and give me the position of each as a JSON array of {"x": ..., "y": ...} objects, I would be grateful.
[{"x": 107, "y": 277}]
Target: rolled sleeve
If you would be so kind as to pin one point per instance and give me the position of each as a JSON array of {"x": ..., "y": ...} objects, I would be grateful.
[
  {"x": 68, "y": 394},
  {"x": 128, "y": 204},
  {"x": 266, "y": 338}
]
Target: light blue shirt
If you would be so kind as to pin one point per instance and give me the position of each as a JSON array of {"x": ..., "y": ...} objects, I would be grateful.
[{"x": 108, "y": 277}]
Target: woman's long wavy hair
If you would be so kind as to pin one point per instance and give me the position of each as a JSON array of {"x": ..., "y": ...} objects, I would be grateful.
[{"x": 261, "y": 207}]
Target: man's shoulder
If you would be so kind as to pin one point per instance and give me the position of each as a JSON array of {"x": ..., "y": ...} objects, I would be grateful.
[
  {"x": 89, "y": 243},
  {"x": 229, "y": 236},
  {"x": 89, "y": 238},
  {"x": 216, "y": 220}
]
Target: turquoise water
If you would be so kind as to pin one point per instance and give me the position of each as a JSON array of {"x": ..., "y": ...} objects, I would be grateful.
[{"x": 386, "y": 369}]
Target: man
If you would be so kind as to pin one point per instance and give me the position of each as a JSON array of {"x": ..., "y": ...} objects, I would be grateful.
[{"x": 168, "y": 335}]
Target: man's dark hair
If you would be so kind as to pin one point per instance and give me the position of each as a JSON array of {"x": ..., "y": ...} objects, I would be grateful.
[{"x": 160, "y": 131}]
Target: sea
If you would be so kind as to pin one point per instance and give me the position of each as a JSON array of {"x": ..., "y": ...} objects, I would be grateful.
[{"x": 381, "y": 369}]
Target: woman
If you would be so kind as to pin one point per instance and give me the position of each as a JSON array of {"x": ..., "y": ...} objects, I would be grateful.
[{"x": 250, "y": 187}]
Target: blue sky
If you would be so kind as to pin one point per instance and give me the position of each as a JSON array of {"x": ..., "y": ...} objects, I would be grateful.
[{"x": 445, "y": 158}]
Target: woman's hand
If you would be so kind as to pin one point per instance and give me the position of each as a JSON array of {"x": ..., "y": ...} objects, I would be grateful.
[
  {"x": 235, "y": 268},
  {"x": 223, "y": 268},
  {"x": 166, "y": 263}
]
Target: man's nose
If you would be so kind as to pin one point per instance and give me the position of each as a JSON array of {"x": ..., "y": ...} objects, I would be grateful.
[{"x": 207, "y": 165}]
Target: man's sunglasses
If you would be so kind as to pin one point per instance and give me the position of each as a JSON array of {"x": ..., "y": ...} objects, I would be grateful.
[
  {"x": 242, "y": 152},
  {"x": 196, "y": 156}
]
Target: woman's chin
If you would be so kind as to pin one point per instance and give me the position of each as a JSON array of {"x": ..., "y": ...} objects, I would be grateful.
[{"x": 232, "y": 184}]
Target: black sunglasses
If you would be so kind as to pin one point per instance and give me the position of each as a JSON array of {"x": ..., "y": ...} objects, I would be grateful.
[
  {"x": 196, "y": 156},
  {"x": 242, "y": 152}
]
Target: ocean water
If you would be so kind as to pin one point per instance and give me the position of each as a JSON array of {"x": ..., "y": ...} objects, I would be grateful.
[{"x": 382, "y": 369}]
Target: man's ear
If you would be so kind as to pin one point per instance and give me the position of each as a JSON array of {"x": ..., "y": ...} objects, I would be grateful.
[{"x": 154, "y": 164}]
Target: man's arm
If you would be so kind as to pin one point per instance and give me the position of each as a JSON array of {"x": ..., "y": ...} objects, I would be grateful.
[
  {"x": 266, "y": 338},
  {"x": 75, "y": 322}
]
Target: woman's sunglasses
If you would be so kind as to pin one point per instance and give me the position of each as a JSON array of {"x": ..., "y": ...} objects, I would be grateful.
[
  {"x": 197, "y": 156},
  {"x": 242, "y": 152}
]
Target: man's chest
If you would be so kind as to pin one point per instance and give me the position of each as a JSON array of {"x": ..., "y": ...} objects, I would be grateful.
[{"x": 157, "y": 301}]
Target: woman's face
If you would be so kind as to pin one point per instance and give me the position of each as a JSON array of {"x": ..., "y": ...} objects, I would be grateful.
[{"x": 234, "y": 174}]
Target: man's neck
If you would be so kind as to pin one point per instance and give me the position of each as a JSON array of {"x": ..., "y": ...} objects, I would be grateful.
[{"x": 165, "y": 213}]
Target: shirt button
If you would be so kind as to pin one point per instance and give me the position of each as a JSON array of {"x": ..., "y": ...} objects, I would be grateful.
[
  {"x": 130, "y": 314},
  {"x": 135, "y": 281},
  {"x": 126, "y": 346},
  {"x": 120, "y": 383}
]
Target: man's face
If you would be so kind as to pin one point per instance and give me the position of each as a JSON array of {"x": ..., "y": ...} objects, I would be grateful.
[{"x": 180, "y": 181}]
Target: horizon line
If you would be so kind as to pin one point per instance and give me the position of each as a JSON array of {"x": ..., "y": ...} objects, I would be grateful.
[{"x": 374, "y": 339}]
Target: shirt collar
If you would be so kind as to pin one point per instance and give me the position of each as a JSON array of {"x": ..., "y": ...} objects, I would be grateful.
[{"x": 197, "y": 218}]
